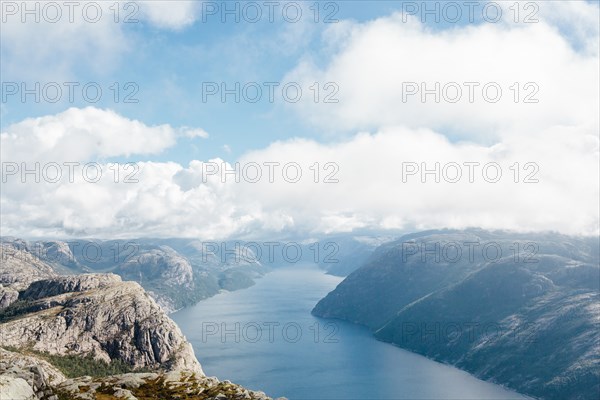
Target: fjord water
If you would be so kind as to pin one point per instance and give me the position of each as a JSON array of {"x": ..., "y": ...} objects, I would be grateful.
[{"x": 265, "y": 338}]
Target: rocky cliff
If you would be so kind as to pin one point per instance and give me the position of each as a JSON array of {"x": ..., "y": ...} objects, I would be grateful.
[
  {"x": 92, "y": 336},
  {"x": 98, "y": 316}
]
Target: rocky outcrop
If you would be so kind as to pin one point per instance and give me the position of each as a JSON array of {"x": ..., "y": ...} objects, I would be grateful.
[
  {"x": 163, "y": 263},
  {"x": 19, "y": 267},
  {"x": 7, "y": 296},
  {"x": 39, "y": 375},
  {"x": 165, "y": 274},
  {"x": 58, "y": 254},
  {"x": 15, "y": 389},
  {"x": 56, "y": 330},
  {"x": 68, "y": 284},
  {"x": 29, "y": 377},
  {"x": 99, "y": 316},
  {"x": 173, "y": 385}
]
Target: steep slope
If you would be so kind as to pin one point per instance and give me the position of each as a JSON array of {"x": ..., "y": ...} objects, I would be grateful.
[
  {"x": 515, "y": 325},
  {"x": 397, "y": 274},
  {"x": 168, "y": 277},
  {"x": 99, "y": 316},
  {"x": 528, "y": 319},
  {"x": 93, "y": 336}
]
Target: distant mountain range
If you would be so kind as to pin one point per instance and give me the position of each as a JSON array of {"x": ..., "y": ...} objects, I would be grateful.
[
  {"x": 180, "y": 272},
  {"x": 522, "y": 310},
  {"x": 176, "y": 272}
]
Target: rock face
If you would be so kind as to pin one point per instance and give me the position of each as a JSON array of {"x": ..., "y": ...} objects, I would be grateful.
[
  {"x": 97, "y": 315},
  {"x": 68, "y": 284},
  {"x": 167, "y": 276},
  {"x": 53, "y": 327},
  {"x": 19, "y": 267},
  {"x": 164, "y": 264},
  {"x": 7, "y": 296},
  {"x": 527, "y": 319},
  {"x": 39, "y": 375},
  {"x": 15, "y": 389}
]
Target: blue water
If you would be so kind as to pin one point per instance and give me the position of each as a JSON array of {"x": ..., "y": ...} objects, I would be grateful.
[{"x": 265, "y": 338}]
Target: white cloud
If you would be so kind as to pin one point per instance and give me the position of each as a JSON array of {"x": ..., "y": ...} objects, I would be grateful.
[
  {"x": 374, "y": 63},
  {"x": 85, "y": 135},
  {"x": 369, "y": 61},
  {"x": 63, "y": 37},
  {"x": 171, "y": 14},
  {"x": 193, "y": 133},
  {"x": 577, "y": 20},
  {"x": 173, "y": 200}
]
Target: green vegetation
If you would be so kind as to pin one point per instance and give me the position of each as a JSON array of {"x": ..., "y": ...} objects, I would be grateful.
[
  {"x": 73, "y": 366},
  {"x": 15, "y": 310}
]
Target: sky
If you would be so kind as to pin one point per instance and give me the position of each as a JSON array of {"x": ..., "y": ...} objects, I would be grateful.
[{"x": 132, "y": 117}]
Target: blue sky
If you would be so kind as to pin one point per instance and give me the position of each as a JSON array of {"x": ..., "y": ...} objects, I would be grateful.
[{"x": 169, "y": 65}]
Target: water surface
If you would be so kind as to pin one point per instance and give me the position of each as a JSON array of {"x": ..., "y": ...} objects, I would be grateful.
[{"x": 265, "y": 338}]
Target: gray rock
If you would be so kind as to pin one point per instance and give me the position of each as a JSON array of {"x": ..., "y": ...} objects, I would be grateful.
[
  {"x": 19, "y": 267},
  {"x": 68, "y": 284},
  {"x": 15, "y": 389},
  {"x": 100, "y": 316},
  {"x": 7, "y": 296}
]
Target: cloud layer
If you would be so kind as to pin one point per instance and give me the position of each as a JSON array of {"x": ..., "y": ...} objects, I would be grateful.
[
  {"x": 385, "y": 68},
  {"x": 369, "y": 176},
  {"x": 367, "y": 181}
]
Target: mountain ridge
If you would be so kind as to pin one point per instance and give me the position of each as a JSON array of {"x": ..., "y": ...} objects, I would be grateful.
[{"x": 526, "y": 320}]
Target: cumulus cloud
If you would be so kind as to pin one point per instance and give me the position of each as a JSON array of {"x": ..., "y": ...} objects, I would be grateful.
[
  {"x": 362, "y": 182},
  {"x": 86, "y": 134}
]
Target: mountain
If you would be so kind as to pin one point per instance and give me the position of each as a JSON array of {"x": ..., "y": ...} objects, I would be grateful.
[
  {"x": 343, "y": 254},
  {"x": 94, "y": 336},
  {"x": 517, "y": 309},
  {"x": 174, "y": 278},
  {"x": 95, "y": 315},
  {"x": 20, "y": 267}
]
